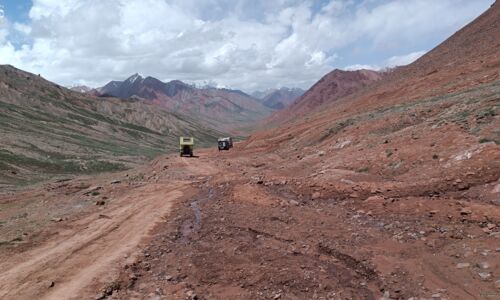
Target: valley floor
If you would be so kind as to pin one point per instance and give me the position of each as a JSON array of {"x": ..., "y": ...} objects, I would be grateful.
[{"x": 242, "y": 225}]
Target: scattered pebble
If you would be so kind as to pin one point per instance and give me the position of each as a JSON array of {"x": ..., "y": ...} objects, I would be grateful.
[
  {"x": 484, "y": 275},
  {"x": 463, "y": 265}
]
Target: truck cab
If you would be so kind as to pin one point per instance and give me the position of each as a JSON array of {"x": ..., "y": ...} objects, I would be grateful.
[
  {"x": 186, "y": 145},
  {"x": 225, "y": 143}
]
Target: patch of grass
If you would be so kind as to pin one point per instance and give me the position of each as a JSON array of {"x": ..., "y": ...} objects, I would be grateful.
[
  {"x": 139, "y": 128},
  {"x": 83, "y": 120},
  {"x": 59, "y": 166},
  {"x": 363, "y": 170},
  {"x": 337, "y": 128},
  {"x": 5, "y": 243},
  {"x": 488, "y": 112}
]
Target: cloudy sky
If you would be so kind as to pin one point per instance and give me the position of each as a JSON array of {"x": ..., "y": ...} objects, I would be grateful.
[{"x": 245, "y": 44}]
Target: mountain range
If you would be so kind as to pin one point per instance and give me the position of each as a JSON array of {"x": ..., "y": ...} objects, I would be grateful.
[
  {"x": 278, "y": 98},
  {"x": 224, "y": 109},
  {"x": 48, "y": 130}
]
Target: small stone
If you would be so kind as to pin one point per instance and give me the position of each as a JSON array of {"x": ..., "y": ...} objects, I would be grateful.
[
  {"x": 115, "y": 181},
  {"x": 484, "y": 275},
  {"x": 386, "y": 296},
  {"x": 436, "y": 296},
  {"x": 168, "y": 277},
  {"x": 56, "y": 220},
  {"x": 316, "y": 195},
  {"x": 491, "y": 226},
  {"x": 354, "y": 195},
  {"x": 51, "y": 284},
  {"x": 463, "y": 265},
  {"x": 497, "y": 284},
  {"x": 277, "y": 296},
  {"x": 100, "y": 202},
  {"x": 465, "y": 211},
  {"x": 191, "y": 295},
  {"x": 100, "y": 296},
  {"x": 294, "y": 202},
  {"x": 320, "y": 153},
  {"x": 484, "y": 265}
]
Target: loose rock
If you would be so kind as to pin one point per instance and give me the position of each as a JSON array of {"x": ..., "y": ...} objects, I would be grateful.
[
  {"x": 463, "y": 265},
  {"x": 484, "y": 275}
]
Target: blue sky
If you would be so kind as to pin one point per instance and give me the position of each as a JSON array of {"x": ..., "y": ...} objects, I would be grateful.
[
  {"x": 16, "y": 10},
  {"x": 244, "y": 44}
]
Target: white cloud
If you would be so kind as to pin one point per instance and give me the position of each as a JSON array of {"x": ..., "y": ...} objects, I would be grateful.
[
  {"x": 403, "y": 59},
  {"x": 22, "y": 28},
  {"x": 393, "y": 61},
  {"x": 361, "y": 67},
  {"x": 241, "y": 44}
]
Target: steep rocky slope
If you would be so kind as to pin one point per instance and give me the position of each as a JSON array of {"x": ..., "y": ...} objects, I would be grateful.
[
  {"x": 224, "y": 109},
  {"x": 451, "y": 93},
  {"x": 332, "y": 86},
  {"x": 279, "y": 98},
  {"x": 48, "y": 130}
]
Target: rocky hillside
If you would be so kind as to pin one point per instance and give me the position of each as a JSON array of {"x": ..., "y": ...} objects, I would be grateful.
[
  {"x": 223, "y": 109},
  {"x": 48, "y": 130},
  {"x": 429, "y": 119},
  {"x": 281, "y": 98},
  {"x": 333, "y": 86}
]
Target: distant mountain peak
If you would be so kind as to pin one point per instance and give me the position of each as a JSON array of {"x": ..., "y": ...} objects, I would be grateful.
[
  {"x": 278, "y": 98},
  {"x": 208, "y": 105},
  {"x": 134, "y": 78},
  {"x": 81, "y": 88}
]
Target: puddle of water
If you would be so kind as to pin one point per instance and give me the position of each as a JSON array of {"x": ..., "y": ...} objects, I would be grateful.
[{"x": 192, "y": 225}]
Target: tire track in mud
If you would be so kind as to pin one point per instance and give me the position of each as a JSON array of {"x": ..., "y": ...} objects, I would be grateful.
[
  {"x": 193, "y": 223},
  {"x": 87, "y": 254}
]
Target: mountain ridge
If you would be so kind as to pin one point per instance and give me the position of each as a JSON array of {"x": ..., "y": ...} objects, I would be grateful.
[{"x": 220, "y": 108}]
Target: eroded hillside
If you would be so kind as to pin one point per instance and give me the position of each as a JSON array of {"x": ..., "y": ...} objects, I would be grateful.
[{"x": 47, "y": 130}]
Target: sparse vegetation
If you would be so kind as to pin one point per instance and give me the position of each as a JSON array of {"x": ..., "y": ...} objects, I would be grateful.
[
  {"x": 363, "y": 170},
  {"x": 48, "y": 131}
]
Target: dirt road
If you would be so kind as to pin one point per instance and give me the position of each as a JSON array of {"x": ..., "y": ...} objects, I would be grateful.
[
  {"x": 236, "y": 225},
  {"x": 88, "y": 253}
]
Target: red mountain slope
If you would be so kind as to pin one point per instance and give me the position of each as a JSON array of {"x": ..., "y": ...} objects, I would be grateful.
[
  {"x": 223, "y": 109},
  {"x": 331, "y": 87}
]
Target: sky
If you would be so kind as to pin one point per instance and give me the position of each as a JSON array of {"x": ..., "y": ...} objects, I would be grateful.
[{"x": 242, "y": 44}]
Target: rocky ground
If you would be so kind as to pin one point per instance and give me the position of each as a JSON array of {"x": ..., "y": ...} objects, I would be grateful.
[
  {"x": 241, "y": 224},
  {"x": 392, "y": 192}
]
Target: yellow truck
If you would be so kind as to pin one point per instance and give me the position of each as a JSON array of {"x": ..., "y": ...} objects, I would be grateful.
[{"x": 186, "y": 145}]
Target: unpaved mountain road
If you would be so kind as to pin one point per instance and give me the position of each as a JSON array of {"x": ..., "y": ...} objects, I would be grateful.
[
  {"x": 87, "y": 253},
  {"x": 245, "y": 225},
  {"x": 89, "y": 250}
]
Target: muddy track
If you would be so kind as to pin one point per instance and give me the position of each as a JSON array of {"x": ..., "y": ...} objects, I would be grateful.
[{"x": 90, "y": 251}]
